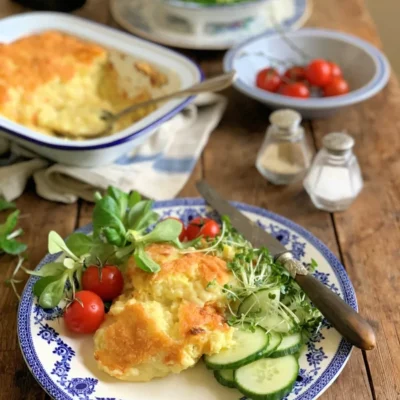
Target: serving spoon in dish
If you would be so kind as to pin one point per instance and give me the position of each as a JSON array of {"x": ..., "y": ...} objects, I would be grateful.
[{"x": 105, "y": 120}]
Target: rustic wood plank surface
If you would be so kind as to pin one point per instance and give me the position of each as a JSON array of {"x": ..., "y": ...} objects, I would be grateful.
[{"x": 365, "y": 237}]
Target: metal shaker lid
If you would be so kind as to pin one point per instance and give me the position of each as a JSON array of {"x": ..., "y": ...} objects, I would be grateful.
[
  {"x": 286, "y": 119},
  {"x": 338, "y": 142}
]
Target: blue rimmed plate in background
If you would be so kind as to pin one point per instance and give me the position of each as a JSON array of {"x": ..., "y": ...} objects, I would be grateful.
[
  {"x": 64, "y": 366},
  {"x": 364, "y": 67},
  {"x": 189, "y": 25}
]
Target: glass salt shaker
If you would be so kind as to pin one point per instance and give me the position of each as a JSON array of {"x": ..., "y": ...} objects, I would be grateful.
[
  {"x": 284, "y": 156},
  {"x": 334, "y": 179}
]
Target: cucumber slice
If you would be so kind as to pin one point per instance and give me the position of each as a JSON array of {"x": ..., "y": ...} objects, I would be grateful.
[
  {"x": 260, "y": 302},
  {"x": 274, "y": 322},
  {"x": 268, "y": 378},
  {"x": 264, "y": 306},
  {"x": 225, "y": 377},
  {"x": 290, "y": 344},
  {"x": 249, "y": 346},
  {"x": 275, "y": 340}
]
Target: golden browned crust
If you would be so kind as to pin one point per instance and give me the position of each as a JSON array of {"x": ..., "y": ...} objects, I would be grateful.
[
  {"x": 58, "y": 84},
  {"x": 209, "y": 267},
  {"x": 157, "y": 78},
  {"x": 131, "y": 338},
  {"x": 165, "y": 322},
  {"x": 37, "y": 59},
  {"x": 193, "y": 319}
]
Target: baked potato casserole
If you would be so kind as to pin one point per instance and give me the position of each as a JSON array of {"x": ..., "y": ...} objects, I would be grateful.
[
  {"x": 163, "y": 323},
  {"x": 56, "y": 84}
]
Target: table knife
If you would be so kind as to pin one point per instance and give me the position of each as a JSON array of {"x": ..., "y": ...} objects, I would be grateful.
[{"x": 347, "y": 321}]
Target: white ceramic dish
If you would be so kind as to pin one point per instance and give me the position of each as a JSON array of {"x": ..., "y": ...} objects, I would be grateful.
[
  {"x": 105, "y": 150},
  {"x": 206, "y": 28},
  {"x": 364, "y": 66},
  {"x": 64, "y": 366}
]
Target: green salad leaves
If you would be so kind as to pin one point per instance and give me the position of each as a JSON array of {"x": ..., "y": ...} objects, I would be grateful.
[
  {"x": 8, "y": 235},
  {"x": 8, "y": 243},
  {"x": 123, "y": 224},
  {"x": 6, "y": 205}
]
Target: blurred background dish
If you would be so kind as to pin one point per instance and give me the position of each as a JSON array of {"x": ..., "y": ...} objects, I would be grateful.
[
  {"x": 364, "y": 67},
  {"x": 207, "y": 26},
  {"x": 52, "y": 5}
]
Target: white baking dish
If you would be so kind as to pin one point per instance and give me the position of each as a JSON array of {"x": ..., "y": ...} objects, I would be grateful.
[{"x": 105, "y": 150}]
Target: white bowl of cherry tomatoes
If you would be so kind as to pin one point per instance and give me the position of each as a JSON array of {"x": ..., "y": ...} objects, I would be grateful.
[{"x": 314, "y": 71}]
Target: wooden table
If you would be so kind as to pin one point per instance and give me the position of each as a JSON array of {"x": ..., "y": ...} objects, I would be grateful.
[{"x": 366, "y": 238}]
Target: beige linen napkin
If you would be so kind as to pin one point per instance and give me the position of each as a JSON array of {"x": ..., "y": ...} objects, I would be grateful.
[{"x": 157, "y": 169}]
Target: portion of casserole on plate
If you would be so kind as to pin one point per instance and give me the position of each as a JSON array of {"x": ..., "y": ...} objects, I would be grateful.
[
  {"x": 55, "y": 83},
  {"x": 163, "y": 323}
]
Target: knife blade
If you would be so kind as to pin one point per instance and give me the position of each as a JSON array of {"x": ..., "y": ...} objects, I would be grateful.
[
  {"x": 346, "y": 320},
  {"x": 257, "y": 236}
]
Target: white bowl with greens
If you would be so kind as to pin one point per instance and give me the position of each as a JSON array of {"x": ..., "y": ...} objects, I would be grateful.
[{"x": 213, "y": 17}]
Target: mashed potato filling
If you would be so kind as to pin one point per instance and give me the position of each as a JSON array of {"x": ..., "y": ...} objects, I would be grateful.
[
  {"x": 57, "y": 84},
  {"x": 163, "y": 323}
]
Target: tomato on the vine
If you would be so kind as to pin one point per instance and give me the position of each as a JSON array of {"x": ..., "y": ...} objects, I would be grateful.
[
  {"x": 296, "y": 89},
  {"x": 107, "y": 282},
  {"x": 296, "y": 73},
  {"x": 319, "y": 72},
  {"x": 200, "y": 226},
  {"x": 85, "y": 314},
  {"x": 183, "y": 232},
  {"x": 268, "y": 79},
  {"x": 337, "y": 87}
]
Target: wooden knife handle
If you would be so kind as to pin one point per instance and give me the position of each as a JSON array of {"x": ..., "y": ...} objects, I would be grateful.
[{"x": 347, "y": 322}]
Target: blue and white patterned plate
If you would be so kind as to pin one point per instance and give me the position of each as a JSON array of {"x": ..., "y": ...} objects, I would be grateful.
[
  {"x": 197, "y": 28},
  {"x": 63, "y": 363}
]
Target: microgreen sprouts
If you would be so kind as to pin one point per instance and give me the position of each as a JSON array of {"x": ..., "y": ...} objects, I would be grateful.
[{"x": 254, "y": 270}]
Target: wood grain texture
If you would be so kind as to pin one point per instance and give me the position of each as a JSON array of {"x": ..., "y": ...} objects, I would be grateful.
[
  {"x": 369, "y": 231},
  {"x": 38, "y": 217},
  {"x": 10, "y": 8},
  {"x": 229, "y": 165},
  {"x": 96, "y": 10}
]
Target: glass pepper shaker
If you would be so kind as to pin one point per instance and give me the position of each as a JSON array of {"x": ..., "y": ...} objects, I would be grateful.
[
  {"x": 334, "y": 179},
  {"x": 284, "y": 156}
]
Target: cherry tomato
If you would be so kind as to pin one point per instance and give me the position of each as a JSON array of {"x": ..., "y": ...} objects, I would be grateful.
[
  {"x": 183, "y": 233},
  {"x": 194, "y": 227},
  {"x": 337, "y": 87},
  {"x": 335, "y": 70},
  {"x": 319, "y": 72},
  {"x": 296, "y": 73},
  {"x": 268, "y": 79},
  {"x": 107, "y": 282},
  {"x": 202, "y": 227},
  {"x": 85, "y": 314},
  {"x": 296, "y": 89},
  {"x": 210, "y": 229}
]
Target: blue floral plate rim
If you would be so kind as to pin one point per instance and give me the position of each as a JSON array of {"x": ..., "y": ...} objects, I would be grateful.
[{"x": 334, "y": 368}]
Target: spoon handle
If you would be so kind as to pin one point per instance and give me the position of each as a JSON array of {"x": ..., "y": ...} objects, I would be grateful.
[
  {"x": 215, "y": 84},
  {"x": 346, "y": 320}
]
